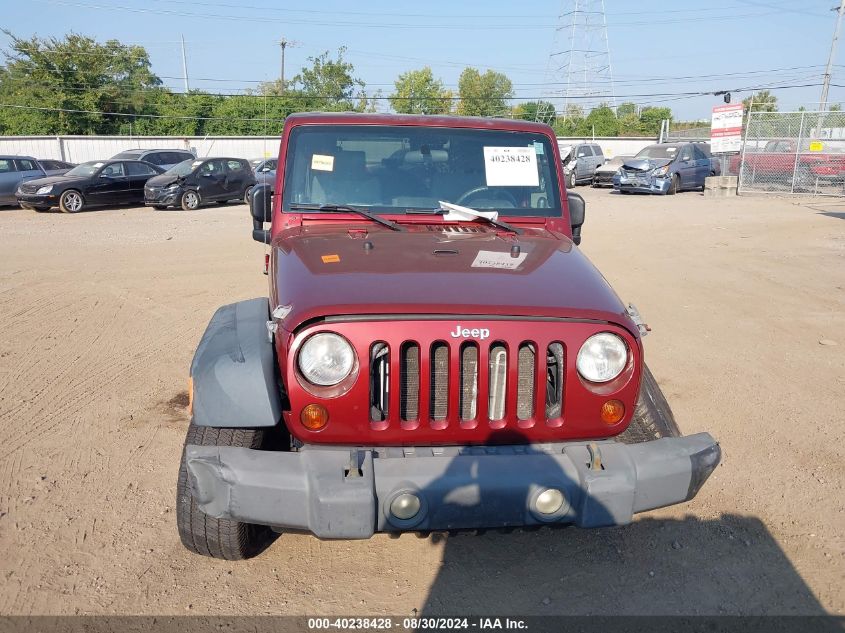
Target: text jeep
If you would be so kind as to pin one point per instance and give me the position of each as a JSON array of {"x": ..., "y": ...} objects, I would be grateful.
[{"x": 436, "y": 352}]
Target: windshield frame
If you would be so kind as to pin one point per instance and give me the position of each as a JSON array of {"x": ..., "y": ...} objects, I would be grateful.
[
  {"x": 550, "y": 184},
  {"x": 97, "y": 164},
  {"x": 668, "y": 155},
  {"x": 172, "y": 171}
]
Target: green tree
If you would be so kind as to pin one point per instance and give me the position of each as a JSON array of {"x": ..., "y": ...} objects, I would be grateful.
[
  {"x": 650, "y": 119},
  {"x": 77, "y": 75},
  {"x": 418, "y": 92},
  {"x": 543, "y": 111},
  {"x": 626, "y": 109},
  {"x": 329, "y": 84},
  {"x": 483, "y": 95},
  {"x": 763, "y": 101},
  {"x": 601, "y": 122}
]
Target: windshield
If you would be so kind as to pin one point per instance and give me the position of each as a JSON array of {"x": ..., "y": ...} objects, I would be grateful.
[
  {"x": 184, "y": 168},
  {"x": 392, "y": 169},
  {"x": 85, "y": 169},
  {"x": 658, "y": 151}
]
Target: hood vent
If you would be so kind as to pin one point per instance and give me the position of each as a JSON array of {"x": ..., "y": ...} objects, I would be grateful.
[{"x": 455, "y": 229}]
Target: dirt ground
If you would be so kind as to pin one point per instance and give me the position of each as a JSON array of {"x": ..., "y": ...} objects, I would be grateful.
[{"x": 101, "y": 312}]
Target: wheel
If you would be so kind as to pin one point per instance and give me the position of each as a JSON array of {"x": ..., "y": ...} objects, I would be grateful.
[
  {"x": 200, "y": 533},
  {"x": 190, "y": 200},
  {"x": 247, "y": 195},
  {"x": 159, "y": 207},
  {"x": 571, "y": 182},
  {"x": 674, "y": 186},
  {"x": 653, "y": 417},
  {"x": 71, "y": 201},
  {"x": 594, "y": 184}
]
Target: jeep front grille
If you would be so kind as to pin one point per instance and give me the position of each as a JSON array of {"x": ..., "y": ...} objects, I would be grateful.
[{"x": 467, "y": 383}]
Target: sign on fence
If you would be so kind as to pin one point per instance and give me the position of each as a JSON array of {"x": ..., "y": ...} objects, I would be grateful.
[{"x": 726, "y": 129}]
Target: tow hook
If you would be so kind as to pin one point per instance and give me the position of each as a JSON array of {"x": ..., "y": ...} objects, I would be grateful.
[{"x": 637, "y": 319}]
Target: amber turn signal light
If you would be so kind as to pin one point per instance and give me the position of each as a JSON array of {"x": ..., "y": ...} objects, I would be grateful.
[
  {"x": 314, "y": 417},
  {"x": 612, "y": 411}
]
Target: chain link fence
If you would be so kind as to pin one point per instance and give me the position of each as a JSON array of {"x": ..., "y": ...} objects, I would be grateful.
[
  {"x": 728, "y": 163},
  {"x": 793, "y": 153}
]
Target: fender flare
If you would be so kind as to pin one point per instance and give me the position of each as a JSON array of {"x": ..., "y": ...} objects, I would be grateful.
[{"x": 234, "y": 373}]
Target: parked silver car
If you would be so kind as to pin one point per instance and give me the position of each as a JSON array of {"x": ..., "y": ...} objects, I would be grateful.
[
  {"x": 15, "y": 169},
  {"x": 603, "y": 177},
  {"x": 580, "y": 161}
]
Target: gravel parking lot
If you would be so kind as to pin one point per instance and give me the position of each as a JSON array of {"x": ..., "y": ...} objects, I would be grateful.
[{"x": 101, "y": 313}]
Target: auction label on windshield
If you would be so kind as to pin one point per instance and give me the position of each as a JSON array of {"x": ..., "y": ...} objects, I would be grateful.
[
  {"x": 511, "y": 167},
  {"x": 322, "y": 162}
]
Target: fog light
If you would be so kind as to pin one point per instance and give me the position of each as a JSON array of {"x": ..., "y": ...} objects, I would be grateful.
[
  {"x": 612, "y": 411},
  {"x": 405, "y": 506},
  {"x": 549, "y": 501},
  {"x": 314, "y": 417}
]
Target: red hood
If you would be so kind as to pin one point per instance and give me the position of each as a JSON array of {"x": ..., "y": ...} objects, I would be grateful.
[{"x": 323, "y": 270}]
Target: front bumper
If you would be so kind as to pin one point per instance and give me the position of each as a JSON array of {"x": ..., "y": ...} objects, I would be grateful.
[
  {"x": 36, "y": 200},
  {"x": 645, "y": 184},
  {"x": 343, "y": 492},
  {"x": 161, "y": 197}
]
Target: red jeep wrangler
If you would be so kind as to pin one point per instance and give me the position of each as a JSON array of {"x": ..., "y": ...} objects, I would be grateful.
[{"x": 436, "y": 353}]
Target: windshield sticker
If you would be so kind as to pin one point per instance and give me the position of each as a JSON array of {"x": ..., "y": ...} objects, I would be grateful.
[
  {"x": 98, "y": 165},
  {"x": 539, "y": 149},
  {"x": 671, "y": 150},
  {"x": 511, "y": 167},
  {"x": 321, "y": 162},
  {"x": 330, "y": 259},
  {"x": 196, "y": 163},
  {"x": 495, "y": 259}
]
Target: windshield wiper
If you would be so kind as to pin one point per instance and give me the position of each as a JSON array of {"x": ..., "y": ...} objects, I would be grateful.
[
  {"x": 343, "y": 208},
  {"x": 477, "y": 215}
]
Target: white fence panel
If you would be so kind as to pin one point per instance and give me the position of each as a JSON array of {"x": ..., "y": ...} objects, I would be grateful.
[{"x": 78, "y": 149}]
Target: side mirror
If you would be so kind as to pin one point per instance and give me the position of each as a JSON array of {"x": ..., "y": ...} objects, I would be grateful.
[
  {"x": 261, "y": 208},
  {"x": 577, "y": 208}
]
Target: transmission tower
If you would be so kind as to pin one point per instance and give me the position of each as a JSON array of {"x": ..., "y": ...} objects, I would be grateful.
[{"x": 579, "y": 73}]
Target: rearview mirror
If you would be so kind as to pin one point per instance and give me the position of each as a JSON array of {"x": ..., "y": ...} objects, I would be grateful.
[
  {"x": 577, "y": 209},
  {"x": 261, "y": 208}
]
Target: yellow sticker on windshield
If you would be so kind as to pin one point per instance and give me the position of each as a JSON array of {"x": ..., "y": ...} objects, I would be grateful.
[
  {"x": 322, "y": 162},
  {"x": 330, "y": 259}
]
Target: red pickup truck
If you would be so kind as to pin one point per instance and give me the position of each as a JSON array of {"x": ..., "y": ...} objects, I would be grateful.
[{"x": 781, "y": 157}]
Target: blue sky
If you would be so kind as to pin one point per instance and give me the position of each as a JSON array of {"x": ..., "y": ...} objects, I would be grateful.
[{"x": 656, "y": 46}]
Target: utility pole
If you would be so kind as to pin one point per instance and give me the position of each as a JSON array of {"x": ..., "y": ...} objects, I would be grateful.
[
  {"x": 185, "y": 63},
  {"x": 284, "y": 44},
  {"x": 827, "y": 72}
]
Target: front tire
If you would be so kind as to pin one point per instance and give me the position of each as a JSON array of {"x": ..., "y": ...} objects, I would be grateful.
[
  {"x": 247, "y": 195},
  {"x": 190, "y": 200},
  {"x": 219, "y": 538},
  {"x": 653, "y": 416},
  {"x": 571, "y": 184},
  {"x": 674, "y": 186},
  {"x": 71, "y": 201}
]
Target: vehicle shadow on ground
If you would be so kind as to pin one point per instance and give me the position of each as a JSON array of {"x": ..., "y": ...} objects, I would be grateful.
[
  {"x": 833, "y": 214},
  {"x": 730, "y": 565}
]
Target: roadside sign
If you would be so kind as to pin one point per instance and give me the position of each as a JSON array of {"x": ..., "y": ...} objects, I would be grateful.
[
  {"x": 726, "y": 129},
  {"x": 816, "y": 146}
]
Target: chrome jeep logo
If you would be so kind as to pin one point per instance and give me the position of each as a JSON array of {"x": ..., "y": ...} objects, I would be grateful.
[{"x": 479, "y": 333}]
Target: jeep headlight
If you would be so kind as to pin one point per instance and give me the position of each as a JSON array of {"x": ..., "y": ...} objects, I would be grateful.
[
  {"x": 326, "y": 358},
  {"x": 45, "y": 189},
  {"x": 661, "y": 171},
  {"x": 602, "y": 357}
]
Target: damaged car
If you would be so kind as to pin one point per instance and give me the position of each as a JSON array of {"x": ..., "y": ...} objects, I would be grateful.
[
  {"x": 193, "y": 183},
  {"x": 666, "y": 168}
]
